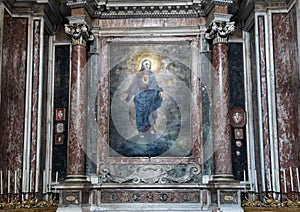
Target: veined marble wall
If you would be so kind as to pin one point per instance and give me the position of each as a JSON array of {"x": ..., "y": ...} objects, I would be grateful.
[
  {"x": 23, "y": 95},
  {"x": 13, "y": 93},
  {"x": 286, "y": 65},
  {"x": 275, "y": 74}
]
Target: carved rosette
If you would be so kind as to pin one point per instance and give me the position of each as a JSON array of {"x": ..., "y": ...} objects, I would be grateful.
[
  {"x": 79, "y": 33},
  {"x": 219, "y": 31}
]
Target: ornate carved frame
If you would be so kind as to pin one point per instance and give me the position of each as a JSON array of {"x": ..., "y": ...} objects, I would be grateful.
[{"x": 146, "y": 170}]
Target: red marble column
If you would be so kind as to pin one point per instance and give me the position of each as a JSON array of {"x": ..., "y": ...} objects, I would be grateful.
[
  {"x": 221, "y": 122},
  {"x": 219, "y": 33},
  {"x": 78, "y": 92},
  {"x": 78, "y": 105}
]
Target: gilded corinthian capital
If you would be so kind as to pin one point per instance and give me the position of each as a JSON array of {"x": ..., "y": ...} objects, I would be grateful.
[
  {"x": 79, "y": 33},
  {"x": 219, "y": 31}
]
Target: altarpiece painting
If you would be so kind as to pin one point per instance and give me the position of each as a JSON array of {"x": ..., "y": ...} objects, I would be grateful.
[{"x": 149, "y": 89}]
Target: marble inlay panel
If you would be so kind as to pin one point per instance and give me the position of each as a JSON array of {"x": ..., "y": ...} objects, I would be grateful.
[
  {"x": 154, "y": 196},
  {"x": 228, "y": 197}
]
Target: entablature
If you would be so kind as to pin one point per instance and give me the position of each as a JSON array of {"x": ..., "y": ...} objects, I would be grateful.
[
  {"x": 106, "y": 9},
  {"x": 53, "y": 11}
]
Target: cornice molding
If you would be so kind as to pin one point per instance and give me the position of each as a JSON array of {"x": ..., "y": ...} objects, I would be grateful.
[
  {"x": 248, "y": 9},
  {"x": 109, "y": 9},
  {"x": 50, "y": 10}
]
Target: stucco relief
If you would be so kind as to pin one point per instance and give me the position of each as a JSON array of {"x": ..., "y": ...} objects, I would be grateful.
[{"x": 150, "y": 174}]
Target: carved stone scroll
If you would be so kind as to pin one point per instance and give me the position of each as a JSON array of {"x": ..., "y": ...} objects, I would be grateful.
[{"x": 150, "y": 174}]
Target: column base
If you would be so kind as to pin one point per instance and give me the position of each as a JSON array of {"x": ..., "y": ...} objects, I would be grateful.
[
  {"x": 223, "y": 178},
  {"x": 73, "y": 196},
  {"x": 225, "y": 193},
  {"x": 76, "y": 179}
]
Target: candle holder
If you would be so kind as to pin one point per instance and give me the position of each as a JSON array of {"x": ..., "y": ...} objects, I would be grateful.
[
  {"x": 289, "y": 203},
  {"x": 293, "y": 195},
  {"x": 28, "y": 200},
  {"x": 9, "y": 201},
  {"x": 49, "y": 200},
  {"x": 257, "y": 195},
  {"x": 251, "y": 200},
  {"x": 271, "y": 200}
]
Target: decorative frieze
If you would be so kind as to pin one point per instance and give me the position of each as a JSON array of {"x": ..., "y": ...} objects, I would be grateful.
[{"x": 152, "y": 196}]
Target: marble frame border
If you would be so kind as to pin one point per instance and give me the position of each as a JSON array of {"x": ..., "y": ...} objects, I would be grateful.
[{"x": 103, "y": 106}]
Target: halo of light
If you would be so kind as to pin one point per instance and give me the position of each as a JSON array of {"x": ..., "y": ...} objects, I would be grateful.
[{"x": 155, "y": 59}]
